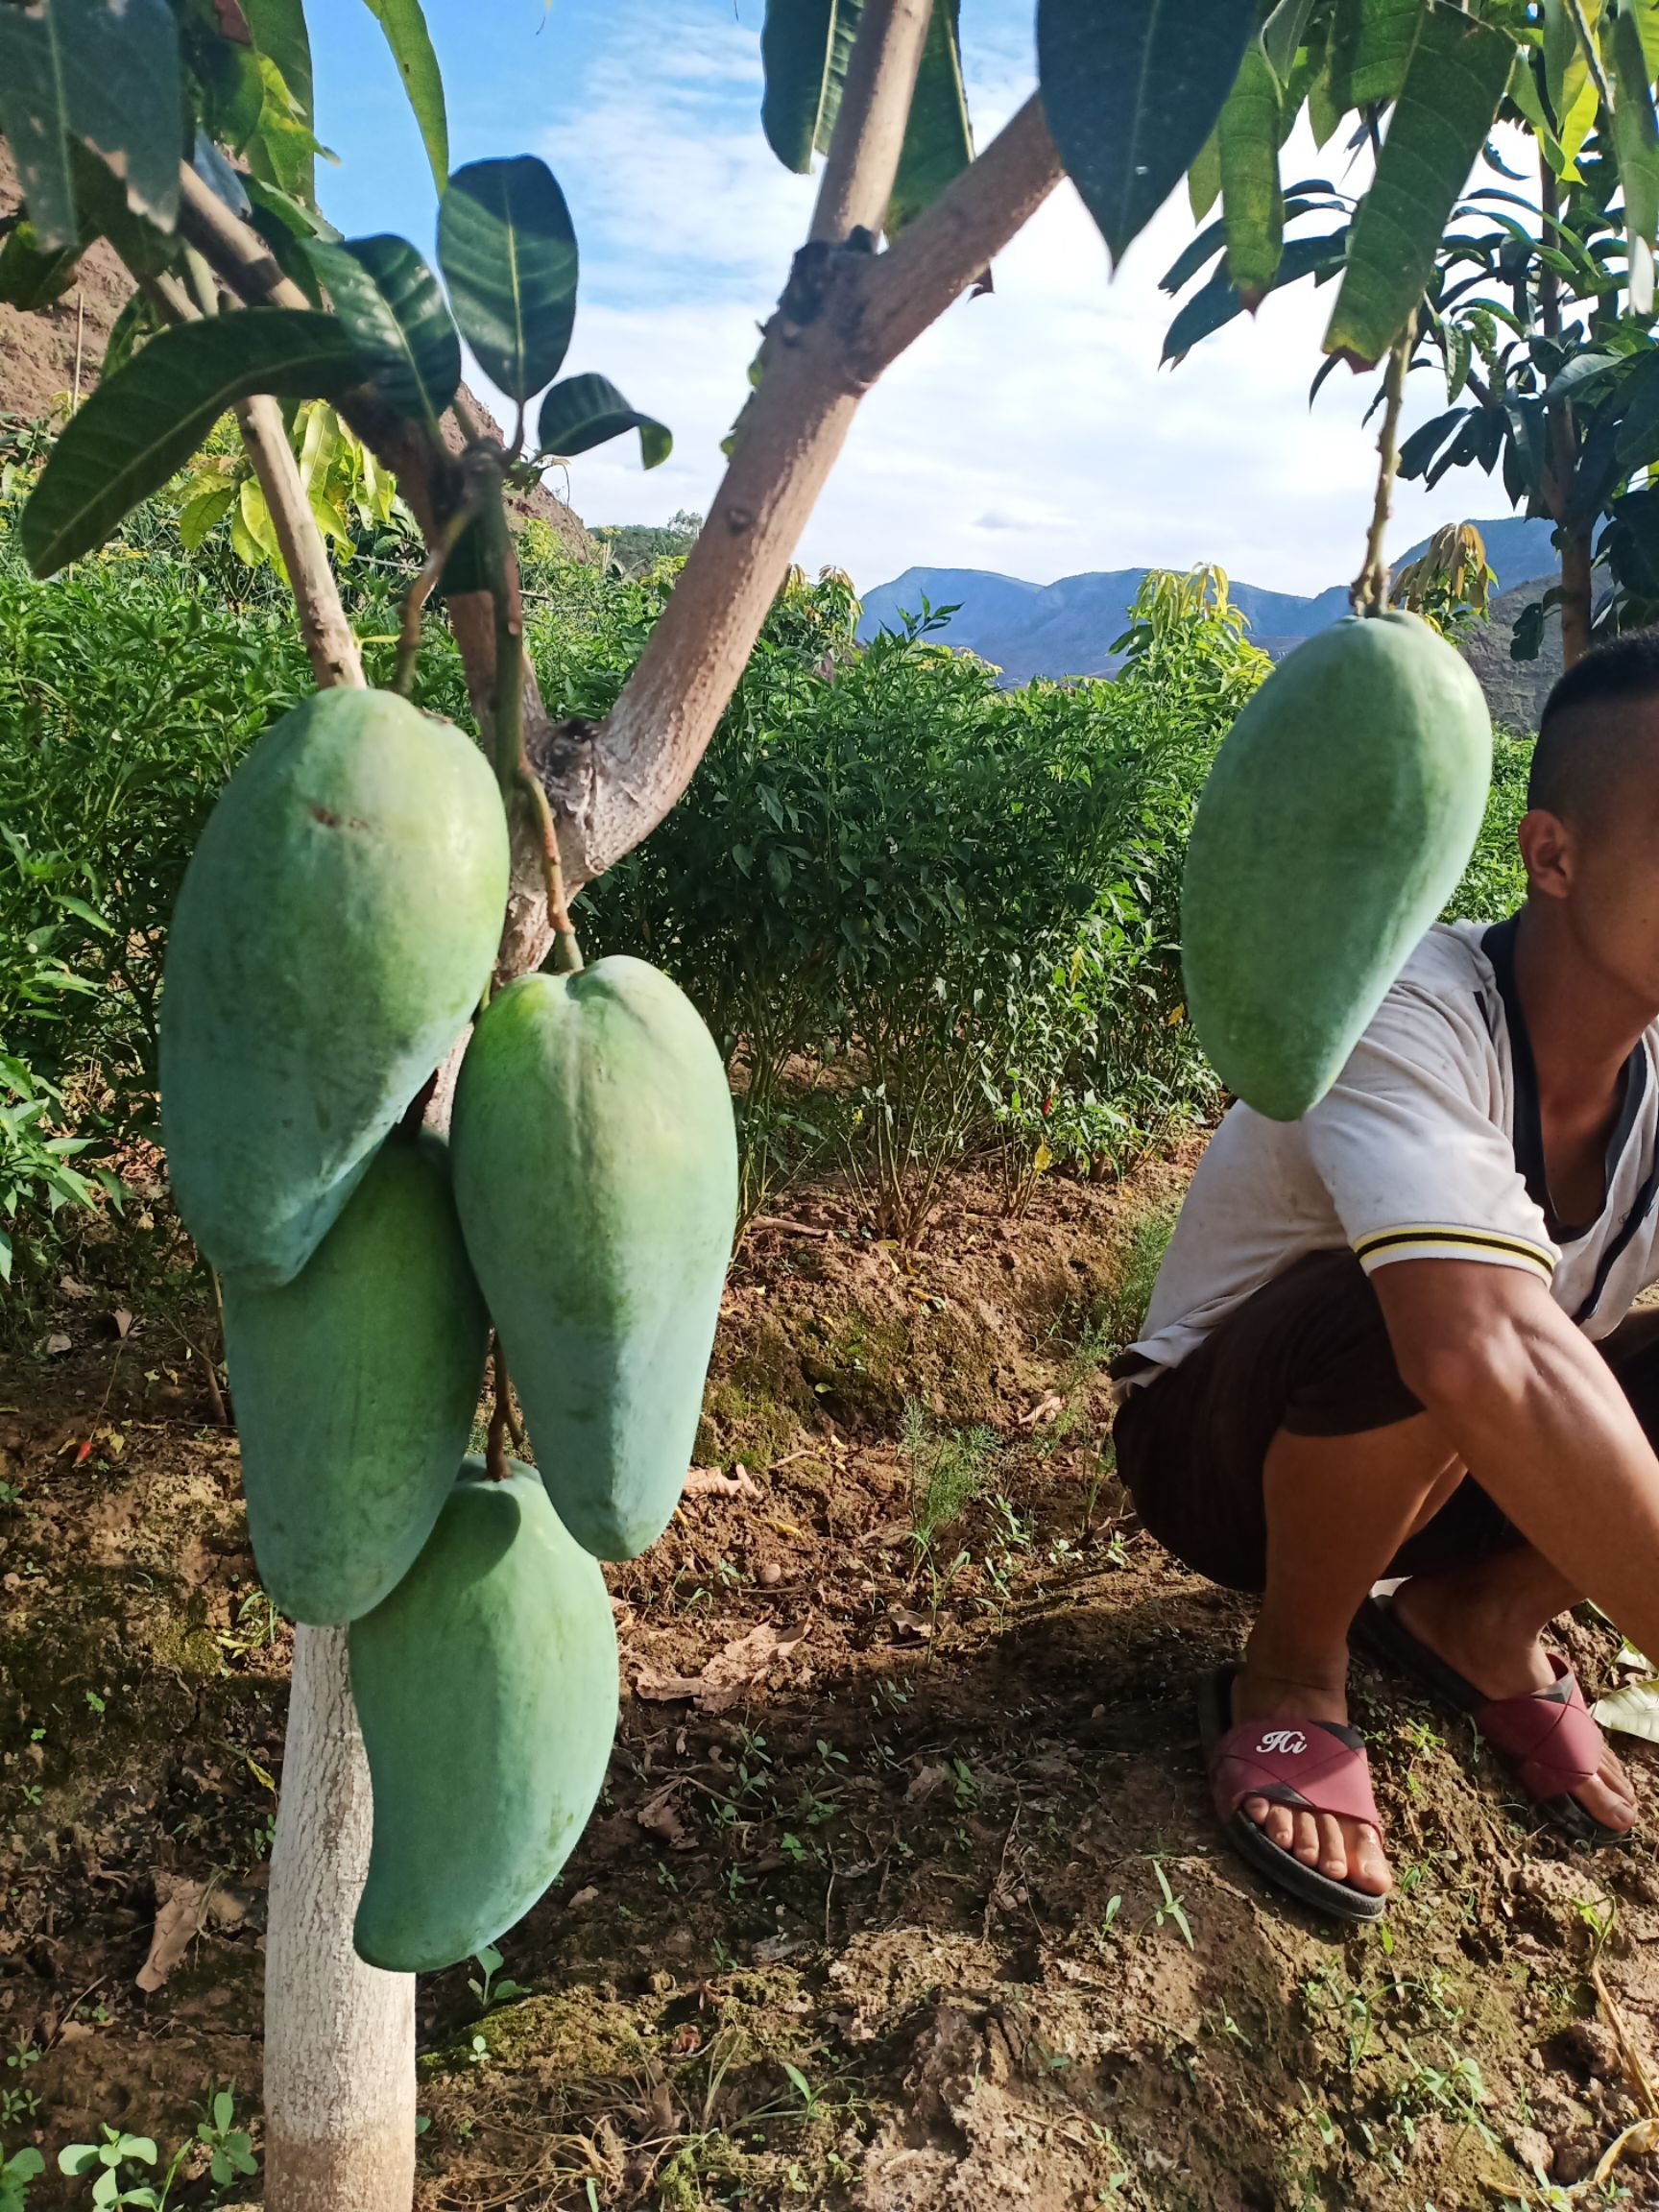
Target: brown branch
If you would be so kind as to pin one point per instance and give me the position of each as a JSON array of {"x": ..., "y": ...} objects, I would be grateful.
[
  {"x": 844, "y": 318},
  {"x": 863, "y": 159},
  {"x": 1368, "y": 594},
  {"x": 330, "y": 640}
]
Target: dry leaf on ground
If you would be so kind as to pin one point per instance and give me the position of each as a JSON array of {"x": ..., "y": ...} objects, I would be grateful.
[{"x": 180, "y": 1904}]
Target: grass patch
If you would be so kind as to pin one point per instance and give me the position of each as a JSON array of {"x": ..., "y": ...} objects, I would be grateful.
[{"x": 949, "y": 1470}]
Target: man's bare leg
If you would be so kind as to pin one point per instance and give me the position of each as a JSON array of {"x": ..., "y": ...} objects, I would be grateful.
[
  {"x": 1339, "y": 1508},
  {"x": 1487, "y": 1621}
]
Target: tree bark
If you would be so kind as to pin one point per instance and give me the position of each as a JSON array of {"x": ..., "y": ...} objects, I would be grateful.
[
  {"x": 1577, "y": 598},
  {"x": 338, "y": 2035}
]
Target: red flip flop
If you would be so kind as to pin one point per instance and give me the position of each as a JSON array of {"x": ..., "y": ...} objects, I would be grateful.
[
  {"x": 1547, "y": 1742},
  {"x": 1315, "y": 1765}
]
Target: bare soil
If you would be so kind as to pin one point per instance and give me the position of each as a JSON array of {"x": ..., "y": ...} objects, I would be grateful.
[{"x": 902, "y": 1893}]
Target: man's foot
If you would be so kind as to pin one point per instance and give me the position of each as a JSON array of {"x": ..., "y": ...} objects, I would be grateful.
[
  {"x": 1347, "y": 1851},
  {"x": 1484, "y": 1642}
]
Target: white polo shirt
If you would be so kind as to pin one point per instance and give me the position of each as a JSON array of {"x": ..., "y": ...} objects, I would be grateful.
[{"x": 1428, "y": 1145}]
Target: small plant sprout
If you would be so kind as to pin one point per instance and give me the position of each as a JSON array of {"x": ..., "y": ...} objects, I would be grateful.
[
  {"x": 1172, "y": 1907},
  {"x": 230, "y": 2147},
  {"x": 105, "y": 2162},
  {"x": 15, "y": 2175},
  {"x": 491, "y": 1991}
]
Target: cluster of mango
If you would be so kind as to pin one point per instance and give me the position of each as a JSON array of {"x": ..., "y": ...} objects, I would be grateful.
[{"x": 336, "y": 933}]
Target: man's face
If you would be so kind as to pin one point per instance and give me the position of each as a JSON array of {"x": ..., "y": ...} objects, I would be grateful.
[{"x": 1602, "y": 863}]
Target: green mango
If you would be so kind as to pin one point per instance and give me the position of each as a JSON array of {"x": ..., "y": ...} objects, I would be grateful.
[
  {"x": 1336, "y": 820},
  {"x": 336, "y": 927},
  {"x": 355, "y": 1387},
  {"x": 596, "y": 1179},
  {"x": 487, "y": 1691}
]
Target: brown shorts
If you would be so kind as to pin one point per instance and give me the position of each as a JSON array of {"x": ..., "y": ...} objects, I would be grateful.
[{"x": 1309, "y": 1351}]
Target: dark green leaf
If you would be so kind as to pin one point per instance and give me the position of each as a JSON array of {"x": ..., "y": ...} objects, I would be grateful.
[
  {"x": 103, "y": 71},
  {"x": 1638, "y": 416},
  {"x": 137, "y": 323},
  {"x": 411, "y": 45},
  {"x": 584, "y": 411},
  {"x": 1420, "y": 448},
  {"x": 1636, "y": 143},
  {"x": 1371, "y": 50},
  {"x": 105, "y": 214},
  {"x": 1281, "y": 34},
  {"x": 142, "y": 425},
  {"x": 805, "y": 45},
  {"x": 1252, "y": 204},
  {"x": 1630, "y": 543},
  {"x": 30, "y": 276},
  {"x": 396, "y": 318},
  {"x": 1132, "y": 89},
  {"x": 508, "y": 253},
  {"x": 1218, "y": 301},
  {"x": 1527, "y": 638},
  {"x": 1188, "y": 263},
  {"x": 938, "y": 137},
  {"x": 1454, "y": 82}
]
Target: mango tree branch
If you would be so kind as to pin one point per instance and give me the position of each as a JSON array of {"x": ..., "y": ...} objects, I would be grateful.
[
  {"x": 844, "y": 316},
  {"x": 329, "y": 636},
  {"x": 869, "y": 138}
]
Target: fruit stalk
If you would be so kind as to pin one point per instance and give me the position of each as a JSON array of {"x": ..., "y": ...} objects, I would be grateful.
[{"x": 1368, "y": 594}]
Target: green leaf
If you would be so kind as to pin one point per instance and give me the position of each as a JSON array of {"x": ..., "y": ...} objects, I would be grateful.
[
  {"x": 1216, "y": 302},
  {"x": 938, "y": 137},
  {"x": 584, "y": 411},
  {"x": 30, "y": 276},
  {"x": 1281, "y": 34},
  {"x": 103, "y": 71},
  {"x": 280, "y": 36},
  {"x": 283, "y": 149},
  {"x": 397, "y": 318},
  {"x": 1132, "y": 89},
  {"x": 1636, "y": 144},
  {"x": 198, "y": 516},
  {"x": 411, "y": 45},
  {"x": 1371, "y": 51},
  {"x": 1204, "y": 178},
  {"x": 508, "y": 253},
  {"x": 805, "y": 45},
  {"x": 1566, "y": 79},
  {"x": 1457, "y": 76},
  {"x": 145, "y": 423},
  {"x": 1252, "y": 204}
]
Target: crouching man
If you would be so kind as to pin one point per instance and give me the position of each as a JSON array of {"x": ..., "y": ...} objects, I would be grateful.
[{"x": 1394, "y": 1338}]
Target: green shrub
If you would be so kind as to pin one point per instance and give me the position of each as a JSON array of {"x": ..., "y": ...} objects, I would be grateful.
[{"x": 1495, "y": 882}]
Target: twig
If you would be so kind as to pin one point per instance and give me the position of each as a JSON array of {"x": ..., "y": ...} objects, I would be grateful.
[
  {"x": 567, "y": 953},
  {"x": 1635, "y": 2072},
  {"x": 500, "y": 1415},
  {"x": 420, "y": 590},
  {"x": 1368, "y": 594},
  {"x": 329, "y": 639}
]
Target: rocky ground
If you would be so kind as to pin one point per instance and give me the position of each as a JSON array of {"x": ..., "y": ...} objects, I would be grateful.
[{"x": 902, "y": 1893}]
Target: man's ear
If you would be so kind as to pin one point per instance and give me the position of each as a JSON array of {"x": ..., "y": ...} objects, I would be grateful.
[{"x": 1547, "y": 848}]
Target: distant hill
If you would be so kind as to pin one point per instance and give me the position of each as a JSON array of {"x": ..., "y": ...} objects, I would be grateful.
[{"x": 1067, "y": 628}]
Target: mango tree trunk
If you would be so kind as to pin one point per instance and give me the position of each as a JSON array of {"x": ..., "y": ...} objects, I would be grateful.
[{"x": 338, "y": 2035}]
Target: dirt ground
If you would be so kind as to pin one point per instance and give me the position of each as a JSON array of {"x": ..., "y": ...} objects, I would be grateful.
[{"x": 902, "y": 1893}]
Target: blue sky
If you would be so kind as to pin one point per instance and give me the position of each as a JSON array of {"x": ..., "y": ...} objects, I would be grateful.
[{"x": 1031, "y": 432}]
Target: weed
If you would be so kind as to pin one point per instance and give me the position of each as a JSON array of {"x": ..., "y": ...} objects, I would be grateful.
[
  {"x": 949, "y": 1470},
  {"x": 15, "y": 2175},
  {"x": 1172, "y": 1907}
]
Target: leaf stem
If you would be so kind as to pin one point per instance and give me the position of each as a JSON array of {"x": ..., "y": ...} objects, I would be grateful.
[{"x": 1368, "y": 594}]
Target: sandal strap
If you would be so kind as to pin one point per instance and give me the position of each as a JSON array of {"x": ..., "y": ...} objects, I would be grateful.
[
  {"x": 1313, "y": 1763},
  {"x": 1550, "y": 1737}
]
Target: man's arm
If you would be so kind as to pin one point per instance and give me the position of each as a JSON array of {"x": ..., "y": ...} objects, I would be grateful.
[{"x": 1534, "y": 1412}]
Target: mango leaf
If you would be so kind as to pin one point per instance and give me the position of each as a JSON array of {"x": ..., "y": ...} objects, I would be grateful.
[
  {"x": 1204, "y": 178},
  {"x": 1371, "y": 49},
  {"x": 1633, "y": 1710},
  {"x": 1566, "y": 79},
  {"x": 103, "y": 71},
  {"x": 31, "y": 276},
  {"x": 584, "y": 411},
  {"x": 1281, "y": 34},
  {"x": 396, "y": 318},
  {"x": 1636, "y": 144},
  {"x": 1132, "y": 89},
  {"x": 145, "y": 423},
  {"x": 411, "y": 45},
  {"x": 280, "y": 36},
  {"x": 1216, "y": 303},
  {"x": 281, "y": 149},
  {"x": 1457, "y": 76},
  {"x": 508, "y": 253},
  {"x": 805, "y": 45},
  {"x": 136, "y": 325},
  {"x": 938, "y": 137},
  {"x": 199, "y": 515},
  {"x": 1252, "y": 204}
]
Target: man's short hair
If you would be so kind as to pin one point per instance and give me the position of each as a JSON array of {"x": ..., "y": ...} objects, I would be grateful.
[{"x": 1585, "y": 743}]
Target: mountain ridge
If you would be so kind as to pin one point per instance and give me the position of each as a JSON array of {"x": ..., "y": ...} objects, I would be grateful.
[{"x": 1066, "y": 628}]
